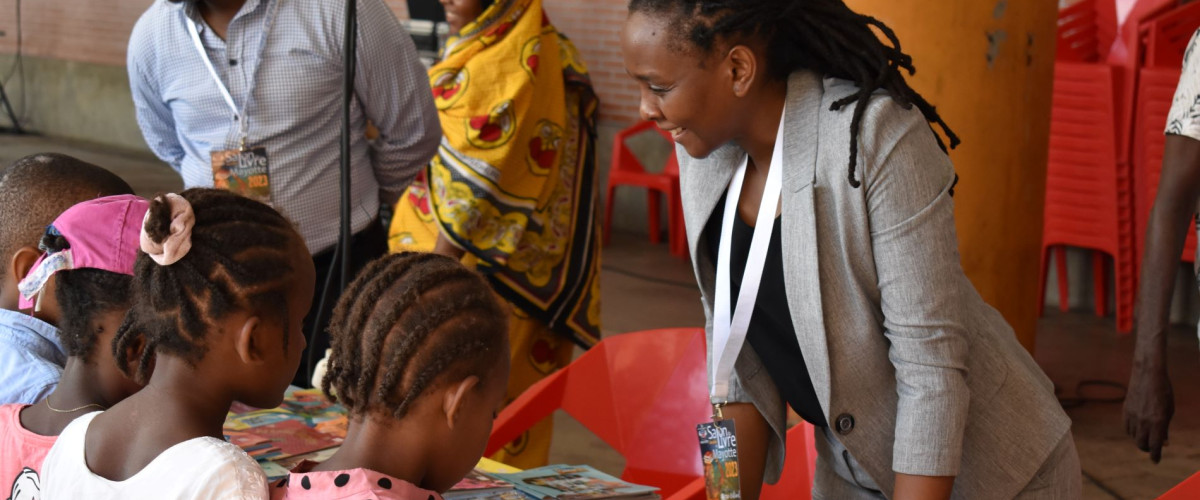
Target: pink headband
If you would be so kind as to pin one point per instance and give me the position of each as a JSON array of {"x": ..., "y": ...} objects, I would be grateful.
[{"x": 179, "y": 241}]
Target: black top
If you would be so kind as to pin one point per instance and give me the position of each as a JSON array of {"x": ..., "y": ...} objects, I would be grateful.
[{"x": 771, "y": 333}]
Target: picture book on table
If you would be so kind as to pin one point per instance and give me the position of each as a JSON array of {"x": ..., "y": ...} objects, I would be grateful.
[
  {"x": 294, "y": 438},
  {"x": 477, "y": 485},
  {"x": 575, "y": 482}
]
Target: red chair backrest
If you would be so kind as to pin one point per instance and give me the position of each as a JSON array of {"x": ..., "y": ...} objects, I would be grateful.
[
  {"x": 1086, "y": 30},
  {"x": 1081, "y": 175},
  {"x": 1167, "y": 36},
  {"x": 1156, "y": 90},
  {"x": 798, "y": 467},
  {"x": 624, "y": 159},
  {"x": 642, "y": 393}
]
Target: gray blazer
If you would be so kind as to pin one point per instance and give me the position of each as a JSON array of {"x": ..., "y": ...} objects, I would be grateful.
[{"x": 915, "y": 372}]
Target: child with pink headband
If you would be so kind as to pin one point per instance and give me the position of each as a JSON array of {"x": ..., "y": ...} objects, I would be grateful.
[
  {"x": 34, "y": 190},
  {"x": 81, "y": 282}
]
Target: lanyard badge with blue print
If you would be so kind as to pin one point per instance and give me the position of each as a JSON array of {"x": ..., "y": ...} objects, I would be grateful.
[
  {"x": 245, "y": 171},
  {"x": 718, "y": 439}
]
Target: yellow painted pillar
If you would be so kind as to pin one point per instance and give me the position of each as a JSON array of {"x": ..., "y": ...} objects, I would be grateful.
[{"x": 988, "y": 67}]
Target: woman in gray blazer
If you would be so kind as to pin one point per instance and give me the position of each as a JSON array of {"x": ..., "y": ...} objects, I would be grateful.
[{"x": 860, "y": 317}]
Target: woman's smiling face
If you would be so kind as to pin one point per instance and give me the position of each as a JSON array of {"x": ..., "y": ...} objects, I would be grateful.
[{"x": 684, "y": 91}]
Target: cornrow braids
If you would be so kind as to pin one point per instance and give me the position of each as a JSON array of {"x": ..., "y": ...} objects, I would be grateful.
[
  {"x": 409, "y": 320},
  {"x": 239, "y": 259},
  {"x": 83, "y": 294},
  {"x": 824, "y": 36}
]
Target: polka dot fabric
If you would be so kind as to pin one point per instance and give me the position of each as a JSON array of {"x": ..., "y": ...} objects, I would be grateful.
[{"x": 358, "y": 484}]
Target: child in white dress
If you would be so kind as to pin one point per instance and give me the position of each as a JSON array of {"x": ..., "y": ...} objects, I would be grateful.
[{"x": 220, "y": 292}]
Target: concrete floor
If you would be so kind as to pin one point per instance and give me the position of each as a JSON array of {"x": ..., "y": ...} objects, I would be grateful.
[{"x": 645, "y": 288}]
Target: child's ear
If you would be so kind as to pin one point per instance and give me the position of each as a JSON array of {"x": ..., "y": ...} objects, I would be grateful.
[
  {"x": 22, "y": 261},
  {"x": 249, "y": 341},
  {"x": 133, "y": 353},
  {"x": 455, "y": 397}
]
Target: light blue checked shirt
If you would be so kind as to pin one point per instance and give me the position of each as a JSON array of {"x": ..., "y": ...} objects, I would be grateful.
[
  {"x": 31, "y": 358},
  {"x": 296, "y": 110}
]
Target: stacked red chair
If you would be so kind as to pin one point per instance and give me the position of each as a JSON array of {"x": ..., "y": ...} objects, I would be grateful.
[
  {"x": 1156, "y": 89},
  {"x": 1165, "y": 38},
  {"x": 1086, "y": 30},
  {"x": 1089, "y": 194},
  {"x": 627, "y": 170}
]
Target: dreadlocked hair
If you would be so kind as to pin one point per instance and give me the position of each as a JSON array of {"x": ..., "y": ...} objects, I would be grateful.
[
  {"x": 823, "y": 36},
  {"x": 408, "y": 321},
  {"x": 239, "y": 260},
  {"x": 82, "y": 295}
]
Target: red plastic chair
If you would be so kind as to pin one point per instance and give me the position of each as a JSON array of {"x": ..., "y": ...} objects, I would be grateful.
[
  {"x": 1156, "y": 89},
  {"x": 642, "y": 393},
  {"x": 1088, "y": 196},
  {"x": 1189, "y": 489},
  {"x": 799, "y": 468},
  {"x": 1166, "y": 36},
  {"x": 1086, "y": 31},
  {"x": 627, "y": 170}
]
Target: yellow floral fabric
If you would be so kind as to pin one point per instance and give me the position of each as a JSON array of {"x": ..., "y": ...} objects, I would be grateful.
[{"x": 513, "y": 180}]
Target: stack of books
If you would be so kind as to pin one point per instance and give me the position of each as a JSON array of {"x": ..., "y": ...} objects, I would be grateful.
[
  {"x": 554, "y": 482},
  {"x": 304, "y": 427}
]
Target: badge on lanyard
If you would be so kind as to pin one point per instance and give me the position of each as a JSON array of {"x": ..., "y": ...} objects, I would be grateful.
[
  {"x": 245, "y": 171},
  {"x": 718, "y": 439},
  {"x": 718, "y": 450}
]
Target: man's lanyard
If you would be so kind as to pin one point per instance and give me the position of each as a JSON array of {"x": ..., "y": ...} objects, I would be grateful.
[
  {"x": 240, "y": 115},
  {"x": 730, "y": 326}
]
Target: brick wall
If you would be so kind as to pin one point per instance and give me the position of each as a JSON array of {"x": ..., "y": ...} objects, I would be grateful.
[
  {"x": 97, "y": 31},
  {"x": 595, "y": 27},
  {"x": 94, "y": 31}
]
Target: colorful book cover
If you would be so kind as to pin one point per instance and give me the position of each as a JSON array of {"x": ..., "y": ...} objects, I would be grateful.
[
  {"x": 294, "y": 438},
  {"x": 574, "y": 482},
  {"x": 311, "y": 406},
  {"x": 245, "y": 440},
  {"x": 509, "y": 494},
  {"x": 336, "y": 427},
  {"x": 257, "y": 418},
  {"x": 477, "y": 480}
]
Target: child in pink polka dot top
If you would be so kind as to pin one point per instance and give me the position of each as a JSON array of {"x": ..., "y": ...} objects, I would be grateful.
[{"x": 420, "y": 360}]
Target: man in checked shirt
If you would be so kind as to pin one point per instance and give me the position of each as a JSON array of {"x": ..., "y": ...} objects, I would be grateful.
[{"x": 246, "y": 95}]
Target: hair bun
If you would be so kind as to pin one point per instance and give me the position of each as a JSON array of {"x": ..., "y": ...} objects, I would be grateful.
[
  {"x": 167, "y": 229},
  {"x": 157, "y": 224}
]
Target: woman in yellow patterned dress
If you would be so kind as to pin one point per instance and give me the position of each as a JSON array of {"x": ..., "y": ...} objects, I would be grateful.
[{"x": 511, "y": 189}]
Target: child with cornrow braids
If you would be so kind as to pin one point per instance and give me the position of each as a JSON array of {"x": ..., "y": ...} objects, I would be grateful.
[
  {"x": 420, "y": 360},
  {"x": 220, "y": 290}
]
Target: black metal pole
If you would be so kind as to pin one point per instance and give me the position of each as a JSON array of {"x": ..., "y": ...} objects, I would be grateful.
[
  {"x": 340, "y": 264},
  {"x": 350, "y": 49}
]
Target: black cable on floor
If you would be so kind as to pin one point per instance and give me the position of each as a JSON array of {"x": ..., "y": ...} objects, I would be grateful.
[
  {"x": 1102, "y": 486},
  {"x": 1081, "y": 389},
  {"x": 652, "y": 279}
]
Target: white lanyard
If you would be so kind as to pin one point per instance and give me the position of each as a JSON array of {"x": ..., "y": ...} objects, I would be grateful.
[
  {"x": 729, "y": 326},
  {"x": 243, "y": 120}
]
